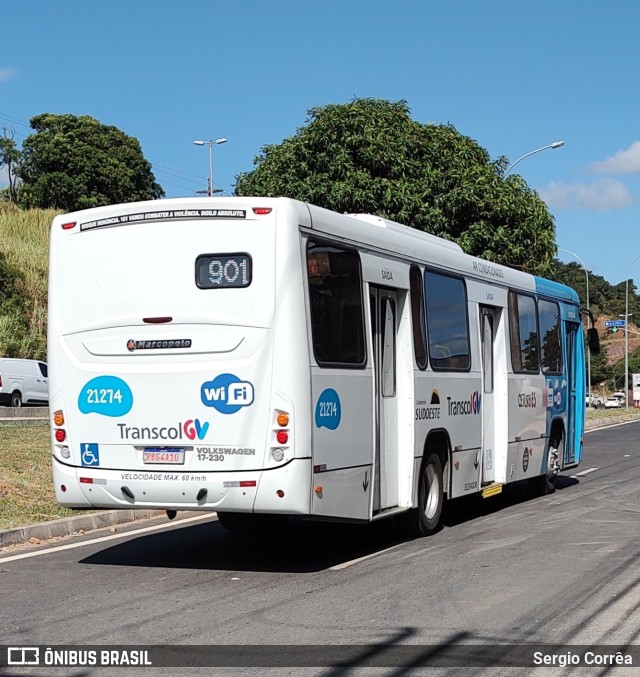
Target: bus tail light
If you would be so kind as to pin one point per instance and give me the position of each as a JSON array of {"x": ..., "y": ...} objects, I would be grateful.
[
  {"x": 60, "y": 433},
  {"x": 261, "y": 211},
  {"x": 68, "y": 226},
  {"x": 282, "y": 419}
]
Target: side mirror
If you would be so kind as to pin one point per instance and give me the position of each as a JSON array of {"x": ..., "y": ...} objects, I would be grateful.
[{"x": 593, "y": 341}]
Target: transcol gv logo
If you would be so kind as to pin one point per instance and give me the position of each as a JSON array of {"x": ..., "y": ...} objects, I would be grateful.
[
  {"x": 190, "y": 429},
  {"x": 465, "y": 407},
  {"x": 227, "y": 393}
]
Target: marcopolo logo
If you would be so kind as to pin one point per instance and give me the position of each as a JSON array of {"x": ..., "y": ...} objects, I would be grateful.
[
  {"x": 227, "y": 393},
  {"x": 189, "y": 429},
  {"x": 464, "y": 407},
  {"x": 158, "y": 344}
]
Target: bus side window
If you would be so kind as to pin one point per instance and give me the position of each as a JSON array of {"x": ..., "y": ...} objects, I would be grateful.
[
  {"x": 550, "y": 344},
  {"x": 523, "y": 330},
  {"x": 418, "y": 317},
  {"x": 335, "y": 300},
  {"x": 447, "y": 322}
]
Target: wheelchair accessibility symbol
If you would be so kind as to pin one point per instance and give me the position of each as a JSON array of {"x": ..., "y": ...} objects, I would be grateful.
[{"x": 89, "y": 454}]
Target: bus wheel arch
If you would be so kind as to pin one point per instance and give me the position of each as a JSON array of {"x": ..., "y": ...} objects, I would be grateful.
[
  {"x": 424, "y": 519},
  {"x": 545, "y": 484}
]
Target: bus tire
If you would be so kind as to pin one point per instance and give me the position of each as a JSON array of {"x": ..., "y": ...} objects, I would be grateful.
[
  {"x": 16, "y": 399},
  {"x": 246, "y": 523},
  {"x": 543, "y": 485},
  {"x": 425, "y": 520}
]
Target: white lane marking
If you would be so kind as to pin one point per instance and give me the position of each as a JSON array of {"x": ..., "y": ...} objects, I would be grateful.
[
  {"x": 350, "y": 563},
  {"x": 102, "y": 539},
  {"x": 584, "y": 472}
]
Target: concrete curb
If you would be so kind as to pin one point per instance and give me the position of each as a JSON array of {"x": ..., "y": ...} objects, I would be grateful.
[
  {"x": 68, "y": 525},
  {"x": 23, "y": 413}
]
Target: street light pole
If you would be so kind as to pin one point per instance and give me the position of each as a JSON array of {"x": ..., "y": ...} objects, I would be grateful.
[
  {"x": 588, "y": 313},
  {"x": 211, "y": 143},
  {"x": 554, "y": 145},
  {"x": 626, "y": 334}
]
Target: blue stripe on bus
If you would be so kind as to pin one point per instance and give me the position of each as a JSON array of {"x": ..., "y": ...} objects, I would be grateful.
[{"x": 555, "y": 290}]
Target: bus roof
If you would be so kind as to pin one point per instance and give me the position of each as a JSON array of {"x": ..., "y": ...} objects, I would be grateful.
[{"x": 368, "y": 231}]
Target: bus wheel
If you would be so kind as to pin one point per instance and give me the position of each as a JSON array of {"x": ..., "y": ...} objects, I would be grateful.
[
  {"x": 245, "y": 523},
  {"x": 543, "y": 485},
  {"x": 425, "y": 520},
  {"x": 16, "y": 399}
]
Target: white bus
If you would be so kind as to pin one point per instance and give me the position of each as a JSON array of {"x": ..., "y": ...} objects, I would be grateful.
[{"x": 263, "y": 357}]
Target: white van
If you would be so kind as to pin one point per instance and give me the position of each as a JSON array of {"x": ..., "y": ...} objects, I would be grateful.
[{"x": 23, "y": 381}]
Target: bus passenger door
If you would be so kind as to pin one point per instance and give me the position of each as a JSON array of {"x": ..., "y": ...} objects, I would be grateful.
[
  {"x": 384, "y": 327},
  {"x": 488, "y": 326},
  {"x": 575, "y": 396}
]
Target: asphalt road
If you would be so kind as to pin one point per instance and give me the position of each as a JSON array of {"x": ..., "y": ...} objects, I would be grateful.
[{"x": 562, "y": 569}]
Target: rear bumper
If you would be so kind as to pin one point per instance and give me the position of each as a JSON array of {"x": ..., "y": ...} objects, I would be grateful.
[{"x": 131, "y": 489}]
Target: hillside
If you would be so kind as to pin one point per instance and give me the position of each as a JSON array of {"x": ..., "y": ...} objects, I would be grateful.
[{"x": 24, "y": 238}]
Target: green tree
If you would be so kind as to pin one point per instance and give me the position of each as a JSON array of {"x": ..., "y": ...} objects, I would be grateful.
[
  {"x": 601, "y": 372},
  {"x": 370, "y": 156},
  {"x": 9, "y": 157},
  {"x": 604, "y": 298},
  {"x": 74, "y": 163}
]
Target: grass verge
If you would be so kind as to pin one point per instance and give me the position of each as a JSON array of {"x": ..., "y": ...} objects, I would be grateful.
[{"x": 26, "y": 488}]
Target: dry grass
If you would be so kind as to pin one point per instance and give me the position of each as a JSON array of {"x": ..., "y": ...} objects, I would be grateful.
[
  {"x": 26, "y": 488},
  {"x": 24, "y": 241},
  {"x": 599, "y": 414}
]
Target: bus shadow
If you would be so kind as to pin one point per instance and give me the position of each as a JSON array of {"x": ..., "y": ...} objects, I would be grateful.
[
  {"x": 469, "y": 508},
  {"x": 303, "y": 547}
]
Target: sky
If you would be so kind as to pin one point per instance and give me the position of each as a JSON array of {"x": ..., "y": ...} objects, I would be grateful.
[{"x": 515, "y": 75}]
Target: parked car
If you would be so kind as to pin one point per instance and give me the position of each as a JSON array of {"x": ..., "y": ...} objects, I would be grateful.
[
  {"x": 614, "y": 403},
  {"x": 23, "y": 381},
  {"x": 593, "y": 401}
]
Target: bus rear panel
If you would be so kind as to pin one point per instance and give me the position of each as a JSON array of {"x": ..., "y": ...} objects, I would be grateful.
[{"x": 162, "y": 332}]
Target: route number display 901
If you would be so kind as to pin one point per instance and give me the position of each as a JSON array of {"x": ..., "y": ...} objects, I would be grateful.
[{"x": 219, "y": 271}]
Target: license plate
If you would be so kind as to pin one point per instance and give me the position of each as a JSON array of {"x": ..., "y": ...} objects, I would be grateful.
[{"x": 169, "y": 455}]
